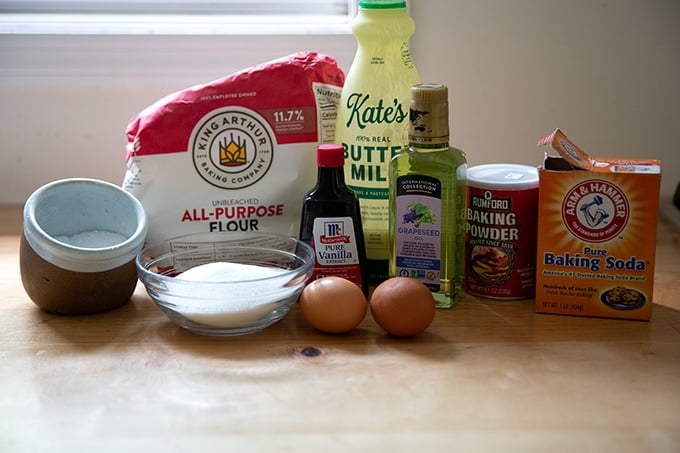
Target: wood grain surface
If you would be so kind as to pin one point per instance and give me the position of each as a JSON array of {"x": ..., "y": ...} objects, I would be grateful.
[{"x": 486, "y": 376}]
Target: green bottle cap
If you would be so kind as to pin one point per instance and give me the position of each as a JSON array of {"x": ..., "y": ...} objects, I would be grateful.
[{"x": 381, "y": 4}]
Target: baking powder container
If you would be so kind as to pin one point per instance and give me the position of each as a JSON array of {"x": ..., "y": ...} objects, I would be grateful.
[
  {"x": 79, "y": 242},
  {"x": 500, "y": 232}
]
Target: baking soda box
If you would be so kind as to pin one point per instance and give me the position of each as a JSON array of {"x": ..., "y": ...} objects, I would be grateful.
[{"x": 596, "y": 233}]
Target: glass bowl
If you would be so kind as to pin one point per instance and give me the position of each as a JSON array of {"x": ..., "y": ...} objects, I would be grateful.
[{"x": 253, "y": 281}]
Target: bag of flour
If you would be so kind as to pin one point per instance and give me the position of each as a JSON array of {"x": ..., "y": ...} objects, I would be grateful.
[{"x": 236, "y": 154}]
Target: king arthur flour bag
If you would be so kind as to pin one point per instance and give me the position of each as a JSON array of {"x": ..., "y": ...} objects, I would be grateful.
[{"x": 236, "y": 154}]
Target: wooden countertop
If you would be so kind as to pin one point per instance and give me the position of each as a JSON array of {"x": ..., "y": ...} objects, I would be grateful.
[{"x": 486, "y": 376}]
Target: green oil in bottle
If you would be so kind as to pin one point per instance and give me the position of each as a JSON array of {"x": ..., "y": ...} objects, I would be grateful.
[{"x": 427, "y": 200}]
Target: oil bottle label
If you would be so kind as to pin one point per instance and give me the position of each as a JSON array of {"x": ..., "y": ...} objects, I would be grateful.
[
  {"x": 418, "y": 229},
  {"x": 335, "y": 247}
]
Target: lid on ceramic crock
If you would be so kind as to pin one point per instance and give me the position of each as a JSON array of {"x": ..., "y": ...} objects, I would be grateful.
[{"x": 58, "y": 212}]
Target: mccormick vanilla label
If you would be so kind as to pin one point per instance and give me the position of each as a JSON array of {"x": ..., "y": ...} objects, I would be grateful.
[
  {"x": 597, "y": 233},
  {"x": 500, "y": 248},
  {"x": 336, "y": 249}
]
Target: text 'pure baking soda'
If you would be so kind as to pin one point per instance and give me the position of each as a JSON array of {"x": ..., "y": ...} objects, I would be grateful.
[{"x": 596, "y": 233}]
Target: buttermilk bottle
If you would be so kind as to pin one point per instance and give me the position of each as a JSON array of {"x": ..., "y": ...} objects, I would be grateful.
[{"x": 373, "y": 114}]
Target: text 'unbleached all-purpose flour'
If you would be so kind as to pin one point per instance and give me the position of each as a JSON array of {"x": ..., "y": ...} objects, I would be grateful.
[{"x": 236, "y": 154}]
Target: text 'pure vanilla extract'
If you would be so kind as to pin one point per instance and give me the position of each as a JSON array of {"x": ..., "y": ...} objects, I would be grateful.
[{"x": 331, "y": 221}]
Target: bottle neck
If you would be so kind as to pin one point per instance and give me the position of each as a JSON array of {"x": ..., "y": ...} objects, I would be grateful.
[
  {"x": 383, "y": 25},
  {"x": 330, "y": 177},
  {"x": 439, "y": 145},
  {"x": 429, "y": 134},
  {"x": 429, "y": 124}
]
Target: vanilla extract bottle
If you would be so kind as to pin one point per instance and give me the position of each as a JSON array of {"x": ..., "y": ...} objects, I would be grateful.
[
  {"x": 331, "y": 221},
  {"x": 427, "y": 200}
]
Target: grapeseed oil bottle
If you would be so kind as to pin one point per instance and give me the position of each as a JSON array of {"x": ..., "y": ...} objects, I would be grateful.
[{"x": 427, "y": 200}]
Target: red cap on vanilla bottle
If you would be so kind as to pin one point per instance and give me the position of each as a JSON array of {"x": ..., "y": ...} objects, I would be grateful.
[{"x": 330, "y": 155}]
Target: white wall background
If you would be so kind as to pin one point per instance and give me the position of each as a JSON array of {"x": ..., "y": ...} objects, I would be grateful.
[{"x": 605, "y": 71}]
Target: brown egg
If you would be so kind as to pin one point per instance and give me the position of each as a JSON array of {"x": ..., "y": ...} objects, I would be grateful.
[
  {"x": 404, "y": 307},
  {"x": 333, "y": 304}
]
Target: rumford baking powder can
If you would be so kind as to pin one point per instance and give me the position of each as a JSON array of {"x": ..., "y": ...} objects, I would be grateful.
[{"x": 500, "y": 231}]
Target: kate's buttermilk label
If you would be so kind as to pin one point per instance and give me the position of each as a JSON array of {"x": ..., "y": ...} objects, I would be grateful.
[
  {"x": 371, "y": 149},
  {"x": 597, "y": 233},
  {"x": 501, "y": 233},
  {"x": 372, "y": 132}
]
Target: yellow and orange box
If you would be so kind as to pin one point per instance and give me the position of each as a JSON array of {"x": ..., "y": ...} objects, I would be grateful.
[{"x": 597, "y": 221}]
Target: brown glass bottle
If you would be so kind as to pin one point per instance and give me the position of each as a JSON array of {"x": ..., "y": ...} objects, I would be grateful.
[{"x": 331, "y": 221}]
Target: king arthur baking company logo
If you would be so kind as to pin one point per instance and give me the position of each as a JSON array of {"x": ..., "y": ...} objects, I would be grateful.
[
  {"x": 232, "y": 148},
  {"x": 595, "y": 210}
]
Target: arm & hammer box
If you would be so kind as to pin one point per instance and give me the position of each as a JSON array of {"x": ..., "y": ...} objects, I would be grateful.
[{"x": 597, "y": 221}]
